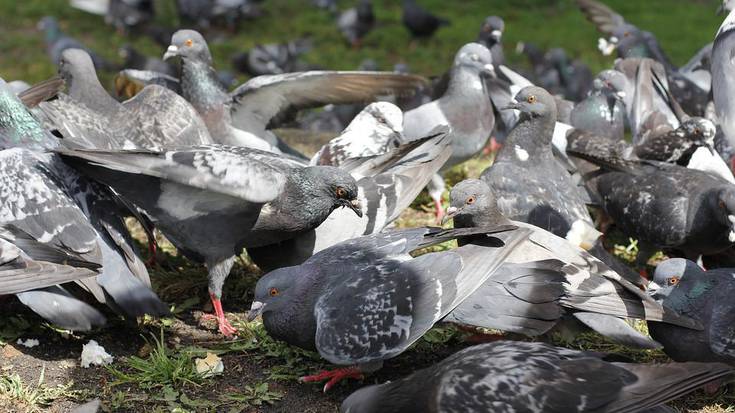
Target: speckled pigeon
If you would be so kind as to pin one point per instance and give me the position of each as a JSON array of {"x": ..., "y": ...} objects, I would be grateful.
[
  {"x": 27, "y": 264},
  {"x": 547, "y": 280},
  {"x": 211, "y": 201},
  {"x": 705, "y": 296},
  {"x": 356, "y": 22},
  {"x": 243, "y": 116},
  {"x": 419, "y": 21},
  {"x": 54, "y": 205},
  {"x": 465, "y": 107},
  {"x": 512, "y": 376},
  {"x": 387, "y": 184},
  {"x": 155, "y": 118},
  {"x": 367, "y": 299}
]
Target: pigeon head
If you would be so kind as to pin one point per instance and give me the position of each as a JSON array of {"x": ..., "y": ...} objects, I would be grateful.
[
  {"x": 724, "y": 209},
  {"x": 476, "y": 57},
  {"x": 533, "y": 102},
  {"x": 365, "y": 10},
  {"x": 611, "y": 83},
  {"x": 471, "y": 204},
  {"x": 629, "y": 42},
  {"x": 189, "y": 45},
  {"x": 492, "y": 28},
  {"x": 699, "y": 129},
  {"x": 324, "y": 186},
  {"x": 272, "y": 292},
  {"x": 558, "y": 57},
  {"x": 669, "y": 273},
  {"x": 75, "y": 64},
  {"x": 48, "y": 24},
  {"x": 384, "y": 118}
]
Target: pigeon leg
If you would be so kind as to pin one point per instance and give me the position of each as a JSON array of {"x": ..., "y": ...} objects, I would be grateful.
[
  {"x": 152, "y": 249},
  {"x": 439, "y": 210},
  {"x": 334, "y": 376},
  {"x": 224, "y": 326}
]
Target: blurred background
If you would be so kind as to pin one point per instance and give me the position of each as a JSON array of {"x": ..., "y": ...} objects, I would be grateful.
[{"x": 682, "y": 27}]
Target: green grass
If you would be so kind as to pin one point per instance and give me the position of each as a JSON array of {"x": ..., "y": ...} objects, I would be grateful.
[
  {"x": 33, "y": 397},
  {"x": 682, "y": 26}
]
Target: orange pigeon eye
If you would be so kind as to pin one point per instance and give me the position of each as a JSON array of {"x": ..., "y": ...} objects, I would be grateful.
[
  {"x": 188, "y": 42},
  {"x": 531, "y": 99},
  {"x": 471, "y": 200},
  {"x": 273, "y": 291},
  {"x": 673, "y": 280}
]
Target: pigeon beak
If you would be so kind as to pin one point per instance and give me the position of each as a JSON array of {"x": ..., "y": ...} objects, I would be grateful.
[
  {"x": 450, "y": 213},
  {"x": 256, "y": 309},
  {"x": 652, "y": 287},
  {"x": 619, "y": 95},
  {"x": 355, "y": 206},
  {"x": 172, "y": 51},
  {"x": 512, "y": 105},
  {"x": 496, "y": 34},
  {"x": 489, "y": 69}
]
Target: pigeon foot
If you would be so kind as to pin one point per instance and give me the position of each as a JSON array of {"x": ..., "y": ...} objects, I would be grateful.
[
  {"x": 224, "y": 326},
  {"x": 439, "y": 210},
  {"x": 334, "y": 376}
]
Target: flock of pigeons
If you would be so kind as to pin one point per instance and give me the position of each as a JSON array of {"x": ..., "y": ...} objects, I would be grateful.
[{"x": 202, "y": 164}]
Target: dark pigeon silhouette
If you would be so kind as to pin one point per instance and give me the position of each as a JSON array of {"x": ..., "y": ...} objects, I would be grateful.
[
  {"x": 419, "y": 21},
  {"x": 491, "y": 33},
  {"x": 355, "y": 23}
]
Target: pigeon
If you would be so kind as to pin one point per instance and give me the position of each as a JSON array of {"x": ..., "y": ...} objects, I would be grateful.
[
  {"x": 328, "y": 5},
  {"x": 465, "y": 94},
  {"x": 419, "y": 21},
  {"x": 668, "y": 207},
  {"x": 702, "y": 295},
  {"x": 374, "y": 130},
  {"x": 723, "y": 84},
  {"x": 547, "y": 280},
  {"x": 155, "y": 118},
  {"x": 387, "y": 184},
  {"x": 210, "y": 201},
  {"x": 366, "y": 300},
  {"x": 204, "y": 12},
  {"x": 56, "y": 206},
  {"x": 243, "y": 116},
  {"x": 272, "y": 58},
  {"x": 630, "y": 41},
  {"x": 57, "y": 42},
  {"x": 355, "y": 23},
  {"x": 490, "y": 35},
  {"x": 534, "y": 377},
  {"x": 575, "y": 77},
  {"x": 127, "y": 14},
  {"x": 602, "y": 113},
  {"x": 133, "y": 59},
  {"x": 37, "y": 265},
  {"x": 531, "y": 185}
]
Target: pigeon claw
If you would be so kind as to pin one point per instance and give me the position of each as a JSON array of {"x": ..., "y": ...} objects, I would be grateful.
[
  {"x": 224, "y": 326},
  {"x": 439, "y": 210},
  {"x": 334, "y": 376}
]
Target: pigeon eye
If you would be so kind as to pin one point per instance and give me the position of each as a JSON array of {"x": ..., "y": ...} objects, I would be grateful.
[
  {"x": 341, "y": 192},
  {"x": 697, "y": 131},
  {"x": 188, "y": 42},
  {"x": 531, "y": 99},
  {"x": 273, "y": 292},
  {"x": 380, "y": 119},
  {"x": 673, "y": 280},
  {"x": 470, "y": 200}
]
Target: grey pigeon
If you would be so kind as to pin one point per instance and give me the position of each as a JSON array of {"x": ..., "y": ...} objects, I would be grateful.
[
  {"x": 26, "y": 264},
  {"x": 155, "y": 118},
  {"x": 387, "y": 184},
  {"x": 490, "y": 36},
  {"x": 57, "y": 42},
  {"x": 723, "y": 83},
  {"x": 205, "y": 12},
  {"x": 465, "y": 94},
  {"x": 602, "y": 113},
  {"x": 419, "y": 21},
  {"x": 329, "y": 5},
  {"x": 56, "y": 206},
  {"x": 704, "y": 296},
  {"x": 530, "y": 185},
  {"x": 127, "y": 14},
  {"x": 272, "y": 58},
  {"x": 366, "y": 300},
  {"x": 668, "y": 207},
  {"x": 243, "y": 116},
  {"x": 575, "y": 77},
  {"x": 547, "y": 281},
  {"x": 355, "y": 23},
  {"x": 211, "y": 201},
  {"x": 534, "y": 377}
]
